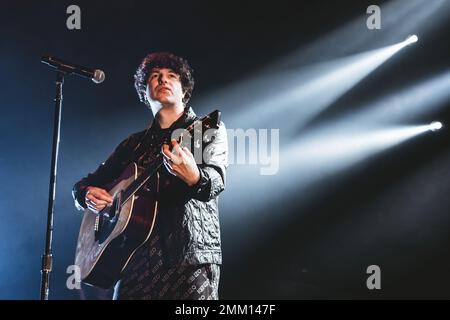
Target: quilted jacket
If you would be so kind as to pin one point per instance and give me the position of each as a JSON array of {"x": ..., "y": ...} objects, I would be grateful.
[{"x": 188, "y": 217}]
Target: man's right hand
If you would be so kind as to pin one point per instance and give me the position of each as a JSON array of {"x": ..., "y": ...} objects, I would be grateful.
[{"x": 97, "y": 199}]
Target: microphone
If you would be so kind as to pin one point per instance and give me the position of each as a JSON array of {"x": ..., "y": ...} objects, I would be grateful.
[{"x": 95, "y": 75}]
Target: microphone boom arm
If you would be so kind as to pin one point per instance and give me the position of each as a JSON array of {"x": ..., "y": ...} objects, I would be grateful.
[{"x": 95, "y": 75}]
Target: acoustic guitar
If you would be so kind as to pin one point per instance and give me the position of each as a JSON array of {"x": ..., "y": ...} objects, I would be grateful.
[{"x": 108, "y": 239}]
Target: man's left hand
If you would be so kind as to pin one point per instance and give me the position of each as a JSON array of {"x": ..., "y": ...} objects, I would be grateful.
[{"x": 181, "y": 163}]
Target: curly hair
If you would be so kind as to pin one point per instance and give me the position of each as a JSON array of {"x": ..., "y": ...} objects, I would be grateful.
[{"x": 163, "y": 60}]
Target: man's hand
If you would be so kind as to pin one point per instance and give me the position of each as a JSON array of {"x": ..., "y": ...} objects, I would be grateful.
[
  {"x": 181, "y": 163},
  {"x": 97, "y": 199}
]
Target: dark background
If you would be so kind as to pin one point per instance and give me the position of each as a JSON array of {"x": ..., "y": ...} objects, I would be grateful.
[{"x": 391, "y": 210}]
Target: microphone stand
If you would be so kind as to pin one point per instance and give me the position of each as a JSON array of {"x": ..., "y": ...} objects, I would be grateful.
[{"x": 47, "y": 259}]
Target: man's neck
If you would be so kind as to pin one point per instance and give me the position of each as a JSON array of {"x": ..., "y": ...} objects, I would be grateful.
[{"x": 167, "y": 115}]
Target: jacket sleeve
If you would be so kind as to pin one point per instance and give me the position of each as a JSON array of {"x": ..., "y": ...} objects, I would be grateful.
[
  {"x": 105, "y": 173},
  {"x": 213, "y": 168}
]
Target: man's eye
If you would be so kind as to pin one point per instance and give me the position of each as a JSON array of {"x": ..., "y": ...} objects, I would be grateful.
[{"x": 173, "y": 75}]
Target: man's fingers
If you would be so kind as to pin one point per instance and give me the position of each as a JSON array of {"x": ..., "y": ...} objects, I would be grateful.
[
  {"x": 187, "y": 151},
  {"x": 104, "y": 195},
  {"x": 90, "y": 198},
  {"x": 170, "y": 155},
  {"x": 99, "y": 194},
  {"x": 179, "y": 152},
  {"x": 166, "y": 151},
  {"x": 97, "y": 202},
  {"x": 169, "y": 166},
  {"x": 97, "y": 199},
  {"x": 100, "y": 199}
]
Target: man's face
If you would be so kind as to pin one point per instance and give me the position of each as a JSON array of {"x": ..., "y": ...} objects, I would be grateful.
[{"x": 164, "y": 87}]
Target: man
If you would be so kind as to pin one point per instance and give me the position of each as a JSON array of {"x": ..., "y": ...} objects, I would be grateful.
[{"x": 181, "y": 258}]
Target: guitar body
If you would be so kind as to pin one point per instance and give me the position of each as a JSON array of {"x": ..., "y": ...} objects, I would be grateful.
[{"x": 108, "y": 240}]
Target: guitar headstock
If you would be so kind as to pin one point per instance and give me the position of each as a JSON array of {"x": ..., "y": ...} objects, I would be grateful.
[
  {"x": 211, "y": 120},
  {"x": 200, "y": 131}
]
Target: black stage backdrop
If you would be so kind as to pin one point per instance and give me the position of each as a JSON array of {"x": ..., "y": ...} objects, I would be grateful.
[{"x": 286, "y": 236}]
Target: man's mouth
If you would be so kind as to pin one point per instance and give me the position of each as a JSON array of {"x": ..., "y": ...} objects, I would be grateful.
[{"x": 163, "y": 89}]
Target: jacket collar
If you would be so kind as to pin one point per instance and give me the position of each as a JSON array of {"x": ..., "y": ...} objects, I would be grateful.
[{"x": 187, "y": 116}]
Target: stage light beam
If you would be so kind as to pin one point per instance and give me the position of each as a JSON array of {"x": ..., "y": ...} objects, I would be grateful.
[
  {"x": 411, "y": 39},
  {"x": 436, "y": 125}
]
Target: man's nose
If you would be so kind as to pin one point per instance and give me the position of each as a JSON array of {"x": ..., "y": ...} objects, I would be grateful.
[{"x": 162, "y": 78}]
